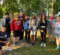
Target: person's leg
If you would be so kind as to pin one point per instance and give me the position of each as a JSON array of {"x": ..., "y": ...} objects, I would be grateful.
[
  {"x": 21, "y": 35},
  {"x": 28, "y": 36},
  {"x": 44, "y": 45},
  {"x": 42, "y": 37},
  {"x": 57, "y": 43},
  {"x": 15, "y": 35},
  {"x": 36, "y": 35},
  {"x": 49, "y": 34},
  {"x": 14, "y": 40},
  {"x": 25, "y": 35},
  {"x": 8, "y": 43},
  {"x": 1, "y": 52},
  {"x": 53, "y": 39},
  {"x": 32, "y": 38},
  {"x": 50, "y": 38}
]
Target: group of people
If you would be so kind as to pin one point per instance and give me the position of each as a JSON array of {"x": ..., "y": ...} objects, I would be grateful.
[{"x": 22, "y": 26}]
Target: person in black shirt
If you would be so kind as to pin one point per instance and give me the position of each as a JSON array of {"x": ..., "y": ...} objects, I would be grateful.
[
  {"x": 21, "y": 17},
  {"x": 3, "y": 39},
  {"x": 6, "y": 23},
  {"x": 43, "y": 27}
]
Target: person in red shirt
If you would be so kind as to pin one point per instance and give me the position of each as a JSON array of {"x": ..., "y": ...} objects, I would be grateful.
[
  {"x": 16, "y": 27},
  {"x": 50, "y": 30}
]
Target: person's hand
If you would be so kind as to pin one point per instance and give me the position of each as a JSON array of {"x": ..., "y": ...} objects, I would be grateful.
[
  {"x": 11, "y": 32},
  {"x": 4, "y": 42},
  {"x": 53, "y": 25},
  {"x": 42, "y": 31}
]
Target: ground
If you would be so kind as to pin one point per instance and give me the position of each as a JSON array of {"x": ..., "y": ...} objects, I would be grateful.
[{"x": 35, "y": 50}]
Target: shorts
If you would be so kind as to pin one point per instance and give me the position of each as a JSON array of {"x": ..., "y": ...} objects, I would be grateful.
[
  {"x": 33, "y": 32},
  {"x": 50, "y": 31},
  {"x": 17, "y": 33}
]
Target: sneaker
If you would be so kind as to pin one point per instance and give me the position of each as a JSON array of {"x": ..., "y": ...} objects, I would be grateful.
[
  {"x": 41, "y": 44},
  {"x": 57, "y": 48},
  {"x": 44, "y": 45}
]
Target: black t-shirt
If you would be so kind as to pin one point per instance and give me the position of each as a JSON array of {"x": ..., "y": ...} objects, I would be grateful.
[
  {"x": 43, "y": 26},
  {"x": 7, "y": 25},
  {"x": 3, "y": 37}
]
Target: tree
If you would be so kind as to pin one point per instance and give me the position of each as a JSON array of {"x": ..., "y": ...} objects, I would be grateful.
[{"x": 56, "y": 6}]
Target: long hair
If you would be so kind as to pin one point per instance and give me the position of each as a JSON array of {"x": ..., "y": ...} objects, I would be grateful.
[
  {"x": 42, "y": 17},
  {"x": 25, "y": 17}
]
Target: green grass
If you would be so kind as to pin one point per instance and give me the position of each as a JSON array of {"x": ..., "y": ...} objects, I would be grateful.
[{"x": 36, "y": 50}]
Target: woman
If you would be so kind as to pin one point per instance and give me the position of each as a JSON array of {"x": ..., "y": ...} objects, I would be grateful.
[
  {"x": 43, "y": 27},
  {"x": 26, "y": 28},
  {"x": 56, "y": 27},
  {"x": 33, "y": 27}
]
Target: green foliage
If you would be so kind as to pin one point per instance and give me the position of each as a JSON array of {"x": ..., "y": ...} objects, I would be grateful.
[
  {"x": 1, "y": 13},
  {"x": 28, "y": 6},
  {"x": 56, "y": 6}
]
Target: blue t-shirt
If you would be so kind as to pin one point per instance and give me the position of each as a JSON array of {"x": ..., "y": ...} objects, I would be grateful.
[{"x": 26, "y": 25}]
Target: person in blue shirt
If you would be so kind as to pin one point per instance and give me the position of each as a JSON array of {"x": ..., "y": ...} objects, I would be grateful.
[
  {"x": 3, "y": 38},
  {"x": 26, "y": 28}
]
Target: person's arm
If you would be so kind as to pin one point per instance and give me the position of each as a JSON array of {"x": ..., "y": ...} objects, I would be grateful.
[
  {"x": 3, "y": 42},
  {"x": 12, "y": 27},
  {"x": 2, "y": 22}
]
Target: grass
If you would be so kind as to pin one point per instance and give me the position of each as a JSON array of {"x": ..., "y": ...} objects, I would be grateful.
[{"x": 36, "y": 50}]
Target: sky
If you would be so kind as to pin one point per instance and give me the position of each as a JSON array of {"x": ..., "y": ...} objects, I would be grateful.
[{"x": 1, "y": 2}]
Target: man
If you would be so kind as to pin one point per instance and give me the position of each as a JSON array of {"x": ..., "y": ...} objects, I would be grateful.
[
  {"x": 16, "y": 27},
  {"x": 50, "y": 30},
  {"x": 3, "y": 39},
  {"x": 6, "y": 22},
  {"x": 21, "y": 16}
]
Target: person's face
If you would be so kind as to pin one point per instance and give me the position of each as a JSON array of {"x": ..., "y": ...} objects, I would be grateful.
[
  {"x": 3, "y": 29},
  {"x": 43, "y": 17},
  {"x": 33, "y": 17},
  {"x": 40, "y": 16},
  {"x": 7, "y": 16},
  {"x": 21, "y": 13},
  {"x": 16, "y": 17},
  {"x": 58, "y": 19},
  {"x": 51, "y": 15},
  {"x": 26, "y": 17}
]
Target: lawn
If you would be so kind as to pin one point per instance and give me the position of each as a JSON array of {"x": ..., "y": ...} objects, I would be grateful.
[{"x": 36, "y": 50}]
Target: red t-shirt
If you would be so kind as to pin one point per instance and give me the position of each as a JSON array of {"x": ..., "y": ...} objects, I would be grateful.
[{"x": 52, "y": 18}]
